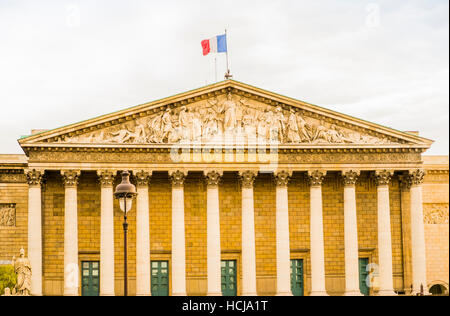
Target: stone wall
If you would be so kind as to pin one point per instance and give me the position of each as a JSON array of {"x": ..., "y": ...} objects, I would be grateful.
[
  {"x": 15, "y": 236},
  {"x": 436, "y": 215}
]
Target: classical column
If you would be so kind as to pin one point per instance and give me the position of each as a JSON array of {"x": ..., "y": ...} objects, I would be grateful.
[
  {"x": 178, "y": 234},
  {"x": 351, "y": 234},
  {"x": 384, "y": 233},
  {"x": 282, "y": 234},
  {"x": 106, "y": 178},
  {"x": 419, "y": 267},
  {"x": 248, "y": 234},
  {"x": 213, "y": 234},
  {"x": 316, "y": 231},
  {"x": 34, "y": 178},
  {"x": 71, "y": 269},
  {"x": 142, "y": 235}
]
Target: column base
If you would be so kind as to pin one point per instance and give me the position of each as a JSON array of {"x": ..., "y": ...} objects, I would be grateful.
[
  {"x": 284, "y": 294},
  {"x": 107, "y": 294},
  {"x": 179, "y": 294},
  {"x": 214, "y": 294},
  {"x": 318, "y": 293},
  {"x": 353, "y": 293},
  {"x": 143, "y": 294},
  {"x": 249, "y": 294},
  {"x": 386, "y": 293}
]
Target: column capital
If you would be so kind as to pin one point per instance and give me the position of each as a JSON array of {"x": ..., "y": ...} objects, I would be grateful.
[
  {"x": 213, "y": 177},
  {"x": 142, "y": 177},
  {"x": 247, "y": 178},
  {"x": 350, "y": 177},
  {"x": 177, "y": 177},
  {"x": 316, "y": 177},
  {"x": 383, "y": 177},
  {"x": 282, "y": 177},
  {"x": 416, "y": 176},
  {"x": 106, "y": 177},
  {"x": 34, "y": 177},
  {"x": 70, "y": 177}
]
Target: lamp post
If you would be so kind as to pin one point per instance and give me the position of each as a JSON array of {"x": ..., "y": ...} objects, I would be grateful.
[{"x": 125, "y": 192}]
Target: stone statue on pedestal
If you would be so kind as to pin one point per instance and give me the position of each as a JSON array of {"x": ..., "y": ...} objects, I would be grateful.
[{"x": 22, "y": 268}]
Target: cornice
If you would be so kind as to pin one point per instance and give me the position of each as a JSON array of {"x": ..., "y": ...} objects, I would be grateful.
[{"x": 282, "y": 149}]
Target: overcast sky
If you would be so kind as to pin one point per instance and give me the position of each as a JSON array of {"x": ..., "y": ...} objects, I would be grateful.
[{"x": 66, "y": 61}]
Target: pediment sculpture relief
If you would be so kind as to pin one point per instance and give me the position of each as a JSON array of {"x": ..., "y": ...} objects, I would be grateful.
[{"x": 215, "y": 119}]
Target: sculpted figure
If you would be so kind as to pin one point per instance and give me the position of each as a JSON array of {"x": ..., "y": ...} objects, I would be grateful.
[
  {"x": 262, "y": 126},
  {"x": 197, "y": 124},
  {"x": 321, "y": 133},
  {"x": 303, "y": 129},
  {"x": 292, "y": 128},
  {"x": 185, "y": 120},
  {"x": 211, "y": 127},
  {"x": 139, "y": 135},
  {"x": 337, "y": 136},
  {"x": 230, "y": 109},
  {"x": 154, "y": 126},
  {"x": 280, "y": 123},
  {"x": 248, "y": 121},
  {"x": 22, "y": 268},
  {"x": 93, "y": 138},
  {"x": 271, "y": 125},
  {"x": 120, "y": 136},
  {"x": 166, "y": 124}
]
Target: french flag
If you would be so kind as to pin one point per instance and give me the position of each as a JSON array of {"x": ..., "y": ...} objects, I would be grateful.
[{"x": 217, "y": 44}]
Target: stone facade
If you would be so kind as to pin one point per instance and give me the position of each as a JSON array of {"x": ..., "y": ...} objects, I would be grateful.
[{"x": 306, "y": 163}]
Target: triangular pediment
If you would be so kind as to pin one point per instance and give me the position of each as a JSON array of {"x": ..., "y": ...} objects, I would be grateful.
[{"x": 224, "y": 112}]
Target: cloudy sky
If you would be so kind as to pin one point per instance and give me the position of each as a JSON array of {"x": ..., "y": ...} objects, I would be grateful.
[{"x": 66, "y": 61}]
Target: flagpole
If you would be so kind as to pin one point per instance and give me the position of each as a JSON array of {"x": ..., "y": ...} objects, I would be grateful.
[
  {"x": 215, "y": 68},
  {"x": 227, "y": 74}
]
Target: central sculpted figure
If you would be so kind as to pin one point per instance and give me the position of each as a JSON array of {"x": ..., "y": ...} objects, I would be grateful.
[{"x": 230, "y": 108}]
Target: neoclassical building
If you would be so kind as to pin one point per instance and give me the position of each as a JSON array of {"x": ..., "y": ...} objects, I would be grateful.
[{"x": 241, "y": 191}]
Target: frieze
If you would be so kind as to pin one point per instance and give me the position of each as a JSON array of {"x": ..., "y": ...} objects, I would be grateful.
[
  {"x": 13, "y": 178},
  {"x": 165, "y": 156},
  {"x": 436, "y": 213}
]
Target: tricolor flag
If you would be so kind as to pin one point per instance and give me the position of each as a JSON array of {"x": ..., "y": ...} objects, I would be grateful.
[{"x": 217, "y": 44}]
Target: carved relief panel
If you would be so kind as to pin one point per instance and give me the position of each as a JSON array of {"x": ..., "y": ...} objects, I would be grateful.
[
  {"x": 436, "y": 213},
  {"x": 219, "y": 118},
  {"x": 8, "y": 215}
]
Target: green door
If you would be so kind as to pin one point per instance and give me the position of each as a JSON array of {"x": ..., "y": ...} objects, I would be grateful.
[
  {"x": 297, "y": 277},
  {"x": 363, "y": 274},
  {"x": 90, "y": 278},
  {"x": 229, "y": 285},
  {"x": 160, "y": 278}
]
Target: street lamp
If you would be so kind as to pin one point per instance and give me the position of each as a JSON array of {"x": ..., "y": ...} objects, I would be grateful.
[{"x": 125, "y": 192}]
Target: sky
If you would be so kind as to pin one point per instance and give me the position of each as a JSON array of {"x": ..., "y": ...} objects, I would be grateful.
[{"x": 63, "y": 62}]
